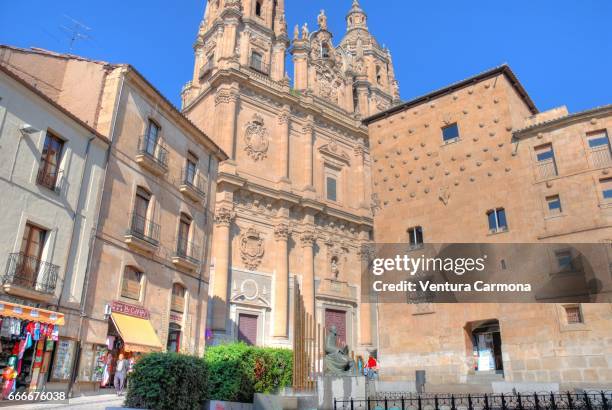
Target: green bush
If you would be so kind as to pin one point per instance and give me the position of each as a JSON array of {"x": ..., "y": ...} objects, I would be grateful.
[
  {"x": 237, "y": 371},
  {"x": 167, "y": 381}
]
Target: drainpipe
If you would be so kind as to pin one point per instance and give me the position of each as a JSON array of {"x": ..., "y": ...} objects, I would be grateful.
[{"x": 92, "y": 238}]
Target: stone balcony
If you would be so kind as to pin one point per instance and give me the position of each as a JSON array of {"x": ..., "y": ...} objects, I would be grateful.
[
  {"x": 152, "y": 156},
  {"x": 143, "y": 234}
]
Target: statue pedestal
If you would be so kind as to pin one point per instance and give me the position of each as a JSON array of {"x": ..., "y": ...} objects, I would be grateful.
[{"x": 339, "y": 387}]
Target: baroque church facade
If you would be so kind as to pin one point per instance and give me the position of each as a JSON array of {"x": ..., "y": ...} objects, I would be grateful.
[{"x": 293, "y": 201}]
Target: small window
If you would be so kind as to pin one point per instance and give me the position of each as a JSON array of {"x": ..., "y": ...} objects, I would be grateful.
[
  {"x": 497, "y": 220},
  {"x": 152, "y": 138},
  {"x": 132, "y": 278},
  {"x": 258, "y": 8},
  {"x": 564, "y": 260},
  {"x": 598, "y": 139},
  {"x": 378, "y": 75},
  {"x": 331, "y": 189},
  {"x": 554, "y": 204},
  {"x": 324, "y": 50},
  {"x": 191, "y": 168},
  {"x": 182, "y": 246},
  {"x": 178, "y": 298},
  {"x": 450, "y": 133},
  {"x": 415, "y": 237},
  {"x": 573, "y": 314},
  {"x": 606, "y": 189},
  {"x": 545, "y": 158},
  {"x": 257, "y": 61}
]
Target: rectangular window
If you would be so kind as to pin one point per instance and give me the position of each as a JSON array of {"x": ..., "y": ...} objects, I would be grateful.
[
  {"x": 606, "y": 189},
  {"x": 182, "y": 246},
  {"x": 331, "y": 189},
  {"x": 573, "y": 315},
  {"x": 599, "y": 146},
  {"x": 130, "y": 288},
  {"x": 545, "y": 158},
  {"x": 554, "y": 204},
  {"x": 415, "y": 237},
  {"x": 450, "y": 133},
  {"x": 191, "y": 168},
  {"x": 152, "y": 138},
  {"x": 48, "y": 171},
  {"x": 497, "y": 220},
  {"x": 564, "y": 260},
  {"x": 32, "y": 245}
]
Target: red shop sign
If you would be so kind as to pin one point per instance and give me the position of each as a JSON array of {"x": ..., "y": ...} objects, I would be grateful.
[{"x": 130, "y": 310}]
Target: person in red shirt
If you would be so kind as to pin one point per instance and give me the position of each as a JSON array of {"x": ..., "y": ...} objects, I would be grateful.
[{"x": 372, "y": 367}]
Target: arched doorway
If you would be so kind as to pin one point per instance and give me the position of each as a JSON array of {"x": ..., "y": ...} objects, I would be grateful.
[{"x": 486, "y": 346}]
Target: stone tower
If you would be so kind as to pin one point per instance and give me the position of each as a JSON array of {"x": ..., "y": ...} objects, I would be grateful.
[{"x": 294, "y": 201}]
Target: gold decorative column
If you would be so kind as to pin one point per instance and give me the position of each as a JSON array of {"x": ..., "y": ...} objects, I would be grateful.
[
  {"x": 281, "y": 285},
  {"x": 223, "y": 222},
  {"x": 307, "y": 240}
]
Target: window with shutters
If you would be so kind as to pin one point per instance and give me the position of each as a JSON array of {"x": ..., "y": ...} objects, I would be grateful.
[
  {"x": 178, "y": 298},
  {"x": 132, "y": 283},
  {"x": 599, "y": 149}
]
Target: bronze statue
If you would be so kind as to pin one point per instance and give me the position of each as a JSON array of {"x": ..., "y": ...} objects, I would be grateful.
[{"x": 337, "y": 361}]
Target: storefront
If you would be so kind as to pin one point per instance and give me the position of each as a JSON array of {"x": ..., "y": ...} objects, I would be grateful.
[
  {"x": 130, "y": 333},
  {"x": 31, "y": 351}
]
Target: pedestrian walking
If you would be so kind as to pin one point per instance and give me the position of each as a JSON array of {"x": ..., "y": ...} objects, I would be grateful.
[{"x": 121, "y": 369}]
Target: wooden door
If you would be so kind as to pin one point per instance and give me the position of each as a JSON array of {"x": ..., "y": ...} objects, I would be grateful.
[
  {"x": 247, "y": 328},
  {"x": 337, "y": 318},
  {"x": 31, "y": 253}
]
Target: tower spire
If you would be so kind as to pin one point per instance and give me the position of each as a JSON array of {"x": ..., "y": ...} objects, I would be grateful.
[{"x": 356, "y": 17}]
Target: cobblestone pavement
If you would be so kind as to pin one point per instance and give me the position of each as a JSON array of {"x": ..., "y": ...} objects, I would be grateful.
[{"x": 99, "y": 402}]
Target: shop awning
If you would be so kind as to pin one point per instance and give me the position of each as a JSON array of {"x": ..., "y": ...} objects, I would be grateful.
[
  {"x": 138, "y": 334},
  {"x": 9, "y": 309}
]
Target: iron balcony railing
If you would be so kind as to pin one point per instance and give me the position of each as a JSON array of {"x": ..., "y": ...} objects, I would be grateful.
[
  {"x": 153, "y": 149},
  {"x": 547, "y": 169},
  {"x": 187, "y": 250},
  {"x": 260, "y": 66},
  {"x": 590, "y": 400},
  {"x": 194, "y": 180},
  {"x": 601, "y": 157},
  {"x": 31, "y": 273},
  {"x": 48, "y": 175},
  {"x": 144, "y": 229}
]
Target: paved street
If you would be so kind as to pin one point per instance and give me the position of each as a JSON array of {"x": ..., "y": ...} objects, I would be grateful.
[{"x": 100, "y": 402}]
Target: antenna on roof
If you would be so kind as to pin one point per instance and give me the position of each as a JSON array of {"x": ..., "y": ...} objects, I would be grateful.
[{"x": 76, "y": 31}]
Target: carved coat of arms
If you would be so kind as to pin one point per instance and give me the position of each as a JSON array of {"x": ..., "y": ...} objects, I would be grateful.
[
  {"x": 251, "y": 248},
  {"x": 256, "y": 138}
]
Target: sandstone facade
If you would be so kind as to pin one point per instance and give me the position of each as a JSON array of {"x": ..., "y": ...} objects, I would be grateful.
[{"x": 501, "y": 155}]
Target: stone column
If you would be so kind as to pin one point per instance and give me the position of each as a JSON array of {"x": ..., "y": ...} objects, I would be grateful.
[
  {"x": 226, "y": 104},
  {"x": 245, "y": 40},
  {"x": 307, "y": 240},
  {"x": 281, "y": 285},
  {"x": 300, "y": 52},
  {"x": 283, "y": 164},
  {"x": 229, "y": 37},
  {"x": 223, "y": 222},
  {"x": 359, "y": 152},
  {"x": 362, "y": 87},
  {"x": 365, "y": 308},
  {"x": 308, "y": 160},
  {"x": 277, "y": 63}
]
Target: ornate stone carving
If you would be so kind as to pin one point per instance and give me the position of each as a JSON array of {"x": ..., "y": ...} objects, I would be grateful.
[
  {"x": 224, "y": 216},
  {"x": 225, "y": 96},
  {"x": 322, "y": 20},
  {"x": 281, "y": 231},
  {"x": 256, "y": 138},
  {"x": 375, "y": 204},
  {"x": 308, "y": 238},
  {"x": 251, "y": 248},
  {"x": 333, "y": 150},
  {"x": 444, "y": 195},
  {"x": 283, "y": 116}
]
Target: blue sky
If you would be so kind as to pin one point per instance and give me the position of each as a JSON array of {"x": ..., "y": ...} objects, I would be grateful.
[{"x": 561, "y": 50}]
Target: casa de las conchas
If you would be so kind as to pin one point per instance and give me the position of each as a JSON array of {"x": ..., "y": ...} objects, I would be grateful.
[{"x": 294, "y": 200}]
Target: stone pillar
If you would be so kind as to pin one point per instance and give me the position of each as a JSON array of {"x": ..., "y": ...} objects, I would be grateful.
[
  {"x": 245, "y": 41},
  {"x": 363, "y": 100},
  {"x": 308, "y": 157},
  {"x": 307, "y": 240},
  {"x": 226, "y": 104},
  {"x": 360, "y": 182},
  {"x": 283, "y": 124},
  {"x": 300, "y": 52},
  {"x": 229, "y": 37},
  {"x": 281, "y": 285},
  {"x": 277, "y": 65},
  {"x": 223, "y": 222},
  {"x": 365, "y": 308}
]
